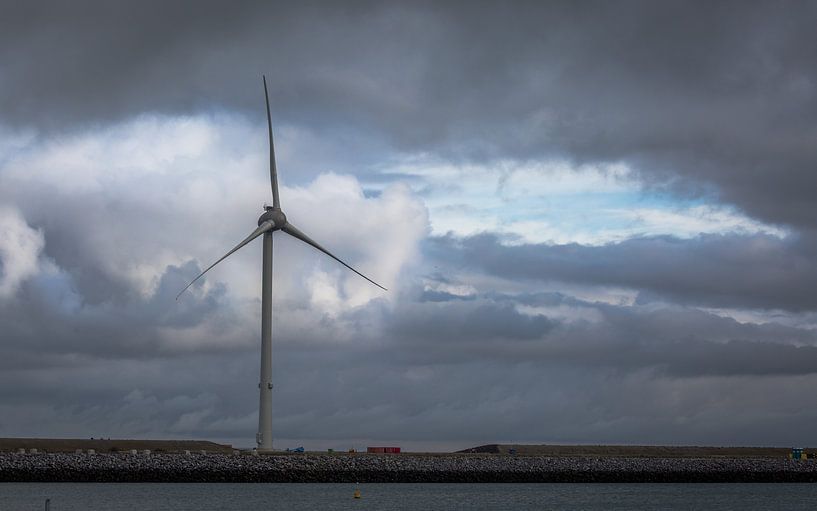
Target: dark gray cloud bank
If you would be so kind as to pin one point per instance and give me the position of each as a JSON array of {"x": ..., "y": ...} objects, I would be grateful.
[
  {"x": 714, "y": 340},
  {"x": 730, "y": 271},
  {"x": 715, "y": 97}
]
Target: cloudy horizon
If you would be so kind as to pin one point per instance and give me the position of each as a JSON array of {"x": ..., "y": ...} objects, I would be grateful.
[{"x": 596, "y": 221}]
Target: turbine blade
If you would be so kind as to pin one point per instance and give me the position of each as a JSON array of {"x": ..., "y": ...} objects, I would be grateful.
[
  {"x": 266, "y": 226},
  {"x": 293, "y": 231},
  {"x": 273, "y": 171}
]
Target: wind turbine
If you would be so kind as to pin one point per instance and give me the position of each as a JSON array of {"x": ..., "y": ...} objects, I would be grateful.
[{"x": 272, "y": 220}]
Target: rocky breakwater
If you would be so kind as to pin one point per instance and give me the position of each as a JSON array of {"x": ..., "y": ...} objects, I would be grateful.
[{"x": 393, "y": 468}]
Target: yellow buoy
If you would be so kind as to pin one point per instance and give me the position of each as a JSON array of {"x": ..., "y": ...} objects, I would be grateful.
[{"x": 357, "y": 493}]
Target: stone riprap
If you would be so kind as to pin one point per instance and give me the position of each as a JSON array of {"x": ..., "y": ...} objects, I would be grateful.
[{"x": 53, "y": 467}]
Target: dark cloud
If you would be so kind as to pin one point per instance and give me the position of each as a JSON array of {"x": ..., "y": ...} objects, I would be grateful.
[
  {"x": 702, "y": 97},
  {"x": 731, "y": 271},
  {"x": 456, "y": 322},
  {"x": 417, "y": 371},
  {"x": 49, "y": 316},
  {"x": 698, "y": 98},
  {"x": 442, "y": 296},
  {"x": 566, "y": 331}
]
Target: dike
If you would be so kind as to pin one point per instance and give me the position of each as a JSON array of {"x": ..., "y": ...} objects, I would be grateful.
[{"x": 407, "y": 468}]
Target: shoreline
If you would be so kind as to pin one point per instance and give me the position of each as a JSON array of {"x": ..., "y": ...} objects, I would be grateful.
[{"x": 405, "y": 468}]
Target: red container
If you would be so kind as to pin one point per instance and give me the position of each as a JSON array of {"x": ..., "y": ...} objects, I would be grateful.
[{"x": 383, "y": 450}]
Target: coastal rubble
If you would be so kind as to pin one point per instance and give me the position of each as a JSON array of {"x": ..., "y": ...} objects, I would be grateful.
[{"x": 120, "y": 467}]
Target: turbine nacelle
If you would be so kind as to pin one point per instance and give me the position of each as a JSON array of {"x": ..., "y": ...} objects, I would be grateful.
[{"x": 274, "y": 215}]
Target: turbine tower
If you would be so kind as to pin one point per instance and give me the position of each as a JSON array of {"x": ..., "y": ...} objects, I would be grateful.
[{"x": 272, "y": 220}]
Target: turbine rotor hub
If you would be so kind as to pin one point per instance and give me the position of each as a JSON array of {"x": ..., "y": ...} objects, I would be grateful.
[{"x": 275, "y": 215}]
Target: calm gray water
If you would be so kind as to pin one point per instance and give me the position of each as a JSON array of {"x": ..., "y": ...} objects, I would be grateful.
[{"x": 203, "y": 497}]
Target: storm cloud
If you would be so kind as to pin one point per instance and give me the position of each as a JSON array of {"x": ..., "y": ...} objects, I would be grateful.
[
  {"x": 133, "y": 153},
  {"x": 703, "y": 98},
  {"x": 728, "y": 271}
]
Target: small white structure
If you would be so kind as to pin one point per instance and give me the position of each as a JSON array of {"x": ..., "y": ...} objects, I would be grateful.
[
  {"x": 91, "y": 451},
  {"x": 133, "y": 451},
  {"x": 146, "y": 452},
  {"x": 33, "y": 450}
]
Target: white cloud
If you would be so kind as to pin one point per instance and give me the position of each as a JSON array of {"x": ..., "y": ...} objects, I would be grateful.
[
  {"x": 686, "y": 222},
  {"x": 556, "y": 202},
  {"x": 323, "y": 292},
  {"x": 378, "y": 236},
  {"x": 20, "y": 248},
  {"x": 455, "y": 289},
  {"x": 163, "y": 190}
]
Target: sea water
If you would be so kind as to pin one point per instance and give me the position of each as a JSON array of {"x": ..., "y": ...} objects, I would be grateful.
[{"x": 211, "y": 496}]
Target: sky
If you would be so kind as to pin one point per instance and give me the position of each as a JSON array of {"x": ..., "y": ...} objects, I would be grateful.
[{"x": 596, "y": 220}]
